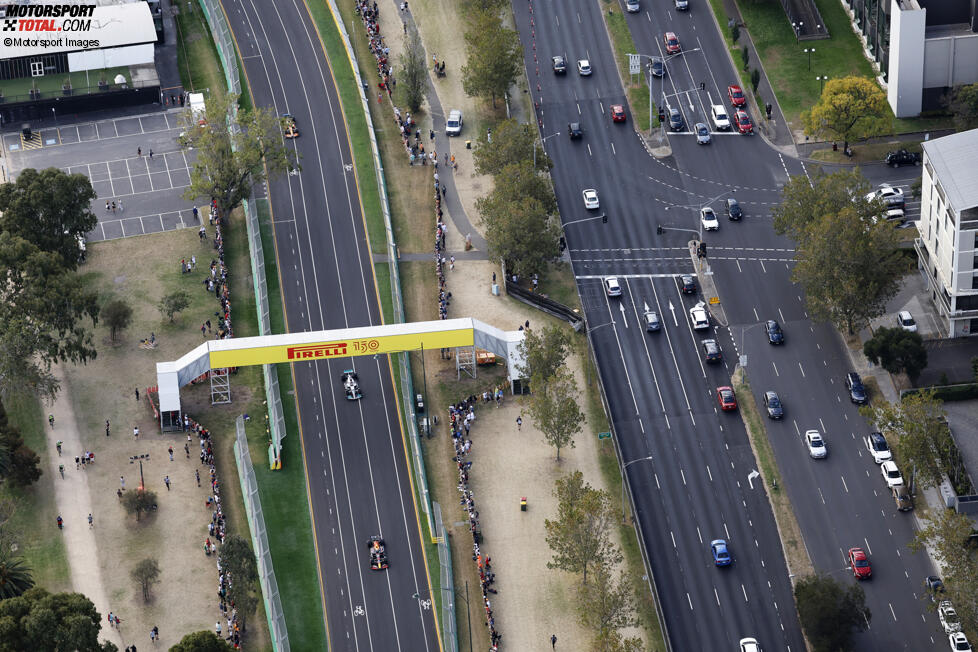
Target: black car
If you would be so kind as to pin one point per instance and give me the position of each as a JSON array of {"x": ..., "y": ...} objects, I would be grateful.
[
  {"x": 675, "y": 119},
  {"x": 689, "y": 283},
  {"x": 575, "y": 130},
  {"x": 774, "y": 333},
  {"x": 712, "y": 351},
  {"x": 902, "y": 157},
  {"x": 657, "y": 67},
  {"x": 559, "y": 64},
  {"x": 734, "y": 212},
  {"x": 934, "y": 586},
  {"x": 857, "y": 393},
  {"x": 772, "y": 403}
]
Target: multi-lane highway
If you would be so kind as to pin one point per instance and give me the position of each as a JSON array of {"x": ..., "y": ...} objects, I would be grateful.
[
  {"x": 354, "y": 452},
  {"x": 661, "y": 391}
]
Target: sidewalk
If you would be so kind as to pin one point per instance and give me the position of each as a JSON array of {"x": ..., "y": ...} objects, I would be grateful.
[{"x": 74, "y": 504}]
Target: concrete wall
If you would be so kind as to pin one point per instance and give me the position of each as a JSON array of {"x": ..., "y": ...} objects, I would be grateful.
[
  {"x": 906, "y": 76},
  {"x": 951, "y": 60}
]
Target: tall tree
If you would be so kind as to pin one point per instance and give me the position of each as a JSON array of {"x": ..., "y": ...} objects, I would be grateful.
[
  {"x": 830, "y": 612},
  {"x": 494, "y": 57},
  {"x": 964, "y": 106},
  {"x": 849, "y": 108},
  {"x": 15, "y": 575},
  {"x": 804, "y": 201},
  {"x": 555, "y": 410},
  {"x": 520, "y": 233},
  {"x": 24, "y": 465},
  {"x": 897, "y": 350},
  {"x": 235, "y": 154},
  {"x": 946, "y": 536},
  {"x": 117, "y": 315},
  {"x": 918, "y": 434},
  {"x": 413, "y": 77},
  {"x": 580, "y": 537},
  {"x": 202, "y": 641},
  {"x": 606, "y": 604},
  {"x": 138, "y": 501},
  {"x": 38, "y": 620},
  {"x": 237, "y": 557},
  {"x": 544, "y": 351},
  {"x": 511, "y": 142},
  {"x": 174, "y": 302},
  {"x": 145, "y": 574},
  {"x": 849, "y": 268}
]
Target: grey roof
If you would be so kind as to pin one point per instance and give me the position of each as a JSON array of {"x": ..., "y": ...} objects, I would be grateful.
[{"x": 956, "y": 167}]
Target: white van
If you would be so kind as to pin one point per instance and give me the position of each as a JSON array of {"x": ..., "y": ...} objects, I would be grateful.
[{"x": 453, "y": 126}]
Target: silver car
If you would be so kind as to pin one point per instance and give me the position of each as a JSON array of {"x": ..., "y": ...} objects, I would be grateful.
[
  {"x": 631, "y": 6},
  {"x": 702, "y": 134}
]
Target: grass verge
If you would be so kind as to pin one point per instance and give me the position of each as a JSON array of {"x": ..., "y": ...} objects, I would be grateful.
[
  {"x": 796, "y": 555},
  {"x": 867, "y": 153},
  {"x": 198, "y": 61},
  {"x": 623, "y": 44}
]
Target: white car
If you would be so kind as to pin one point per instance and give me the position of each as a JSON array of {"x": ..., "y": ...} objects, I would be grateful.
[
  {"x": 612, "y": 286},
  {"x": 720, "y": 119},
  {"x": 816, "y": 445},
  {"x": 590, "y": 199},
  {"x": 905, "y": 319},
  {"x": 889, "y": 195},
  {"x": 583, "y": 67},
  {"x": 891, "y": 474},
  {"x": 631, "y": 6},
  {"x": 878, "y": 448},
  {"x": 453, "y": 126},
  {"x": 699, "y": 316},
  {"x": 749, "y": 645},
  {"x": 959, "y": 642},
  {"x": 948, "y": 617},
  {"x": 709, "y": 219}
]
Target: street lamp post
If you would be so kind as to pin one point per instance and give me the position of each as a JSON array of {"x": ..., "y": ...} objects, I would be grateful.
[
  {"x": 542, "y": 140},
  {"x": 743, "y": 341},
  {"x": 809, "y": 52},
  {"x": 664, "y": 60},
  {"x": 699, "y": 232},
  {"x": 623, "y": 467},
  {"x": 797, "y": 27},
  {"x": 821, "y": 79}
]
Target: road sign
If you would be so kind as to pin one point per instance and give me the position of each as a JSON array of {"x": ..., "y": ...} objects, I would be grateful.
[
  {"x": 604, "y": 435},
  {"x": 714, "y": 301},
  {"x": 634, "y": 64}
]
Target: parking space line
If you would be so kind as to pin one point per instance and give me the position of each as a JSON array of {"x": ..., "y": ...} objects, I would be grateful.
[
  {"x": 142, "y": 130},
  {"x": 116, "y": 128},
  {"x": 166, "y": 164},
  {"x": 128, "y": 172}
]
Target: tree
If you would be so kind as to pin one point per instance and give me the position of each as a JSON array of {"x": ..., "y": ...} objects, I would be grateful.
[
  {"x": 755, "y": 79},
  {"x": 50, "y": 209},
  {"x": 494, "y": 57},
  {"x": 544, "y": 351},
  {"x": 521, "y": 182},
  {"x": 830, "y": 612},
  {"x": 146, "y": 573},
  {"x": 521, "y": 233},
  {"x": 555, "y": 410},
  {"x": 117, "y": 315},
  {"x": 580, "y": 537},
  {"x": 946, "y": 537},
  {"x": 24, "y": 467},
  {"x": 804, "y": 201},
  {"x": 848, "y": 267},
  {"x": 15, "y": 575},
  {"x": 512, "y": 142},
  {"x": 137, "y": 501},
  {"x": 606, "y": 604},
  {"x": 173, "y": 303},
  {"x": 964, "y": 106},
  {"x": 734, "y": 31},
  {"x": 897, "y": 350},
  {"x": 234, "y": 156},
  {"x": 919, "y": 434},
  {"x": 745, "y": 56},
  {"x": 203, "y": 641},
  {"x": 413, "y": 78},
  {"x": 237, "y": 557},
  {"x": 38, "y": 620},
  {"x": 849, "y": 108}
]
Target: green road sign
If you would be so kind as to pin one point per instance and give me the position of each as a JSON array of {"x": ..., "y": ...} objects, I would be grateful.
[{"x": 604, "y": 435}]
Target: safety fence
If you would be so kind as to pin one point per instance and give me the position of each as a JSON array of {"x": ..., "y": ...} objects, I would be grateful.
[
  {"x": 404, "y": 363},
  {"x": 259, "y": 539},
  {"x": 447, "y": 582},
  {"x": 221, "y": 33}
]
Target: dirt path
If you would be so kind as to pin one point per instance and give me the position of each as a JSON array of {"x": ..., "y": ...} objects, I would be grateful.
[{"x": 74, "y": 503}]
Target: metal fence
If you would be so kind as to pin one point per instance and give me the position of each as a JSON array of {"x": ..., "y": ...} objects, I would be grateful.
[
  {"x": 221, "y": 33},
  {"x": 259, "y": 540},
  {"x": 447, "y": 582}
]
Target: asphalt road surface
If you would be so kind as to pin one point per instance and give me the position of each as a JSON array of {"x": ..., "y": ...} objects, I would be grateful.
[
  {"x": 662, "y": 394},
  {"x": 354, "y": 451}
]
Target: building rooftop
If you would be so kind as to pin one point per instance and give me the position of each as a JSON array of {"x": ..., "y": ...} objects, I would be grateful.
[{"x": 953, "y": 160}]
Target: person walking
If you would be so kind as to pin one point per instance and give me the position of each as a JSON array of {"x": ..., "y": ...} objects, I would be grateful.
[
  {"x": 120, "y": 205},
  {"x": 139, "y": 151},
  {"x": 61, "y": 469},
  {"x": 166, "y": 480},
  {"x": 197, "y": 473},
  {"x": 51, "y": 420},
  {"x": 58, "y": 445},
  {"x": 519, "y": 423},
  {"x": 135, "y": 432},
  {"x": 61, "y": 522},
  {"x": 170, "y": 450},
  {"x": 553, "y": 641},
  {"x": 122, "y": 482},
  {"x": 137, "y": 394},
  {"x": 106, "y": 427},
  {"x": 151, "y": 153},
  {"x": 91, "y": 521}
]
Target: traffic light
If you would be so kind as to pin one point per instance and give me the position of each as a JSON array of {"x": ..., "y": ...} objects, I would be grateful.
[
  {"x": 604, "y": 218},
  {"x": 658, "y": 229},
  {"x": 701, "y": 252},
  {"x": 662, "y": 115}
]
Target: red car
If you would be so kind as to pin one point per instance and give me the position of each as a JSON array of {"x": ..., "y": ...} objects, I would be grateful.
[
  {"x": 672, "y": 43},
  {"x": 726, "y": 398},
  {"x": 859, "y": 563},
  {"x": 736, "y": 95},
  {"x": 742, "y": 121},
  {"x": 617, "y": 113}
]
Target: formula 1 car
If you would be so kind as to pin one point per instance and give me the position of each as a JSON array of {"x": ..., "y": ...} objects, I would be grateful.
[
  {"x": 351, "y": 385},
  {"x": 378, "y": 553},
  {"x": 288, "y": 126}
]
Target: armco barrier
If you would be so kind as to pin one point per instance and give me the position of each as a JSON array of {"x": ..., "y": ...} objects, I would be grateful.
[{"x": 549, "y": 306}]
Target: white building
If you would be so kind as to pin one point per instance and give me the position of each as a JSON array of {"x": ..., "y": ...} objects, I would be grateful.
[{"x": 948, "y": 224}]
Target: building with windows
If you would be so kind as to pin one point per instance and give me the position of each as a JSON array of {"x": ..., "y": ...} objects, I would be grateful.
[
  {"x": 920, "y": 48},
  {"x": 946, "y": 250}
]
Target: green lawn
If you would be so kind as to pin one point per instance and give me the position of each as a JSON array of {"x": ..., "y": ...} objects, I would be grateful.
[
  {"x": 199, "y": 63},
  {"x": 637, "y": 90},
  {"x": 51, "y": 85}
]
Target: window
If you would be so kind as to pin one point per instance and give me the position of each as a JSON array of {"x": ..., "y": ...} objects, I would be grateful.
[{"x": 37, "y": 68}]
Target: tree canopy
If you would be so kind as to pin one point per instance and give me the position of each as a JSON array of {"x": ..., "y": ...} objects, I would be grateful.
[
  {"x": 544, "y": 351},
  {"x": 239, "y": 560},
  {"x": 580, "y": 537},
  {"x": 898, "y": 350},
  {"x": 413, "y": 76},
  {"x": 234, "y": 156},
  {"x": 830, "y": 612},
  {"x": 203, "y": 641},
  {"x": 511, "y": 142},
  {"x": 804, "y": 201},
  {"x": 850, "y": 108},
  {"x": 947, "y": 536},
  {"x": 964, "y": 106},
  {"x": 494, "y": 56},
  {"x": 38, "y": 620}
]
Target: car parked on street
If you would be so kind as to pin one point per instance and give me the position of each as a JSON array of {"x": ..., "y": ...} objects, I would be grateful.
[
  {"x": 878, "y": 448},
  {"x": 934, "y": 587},
  {"x": 890, "y": 196},
  {"x": 891, "y": 474},
  {"x": 902, "y": 498},
  {"x": 959, "y": 642},
  {"x": 948, "y": 617},
  {"x": 905, "y": 319},
  {"x": 902, "y": 157}
]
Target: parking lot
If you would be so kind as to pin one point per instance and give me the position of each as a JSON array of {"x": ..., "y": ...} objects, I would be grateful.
[{"x": 146, "y": 189}]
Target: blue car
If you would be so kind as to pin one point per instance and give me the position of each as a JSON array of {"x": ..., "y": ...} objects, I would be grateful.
[{"x": 721, "y": 555}]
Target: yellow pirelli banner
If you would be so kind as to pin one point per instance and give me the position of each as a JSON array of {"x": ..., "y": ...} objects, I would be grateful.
[{"x": 310, "y": 352}]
